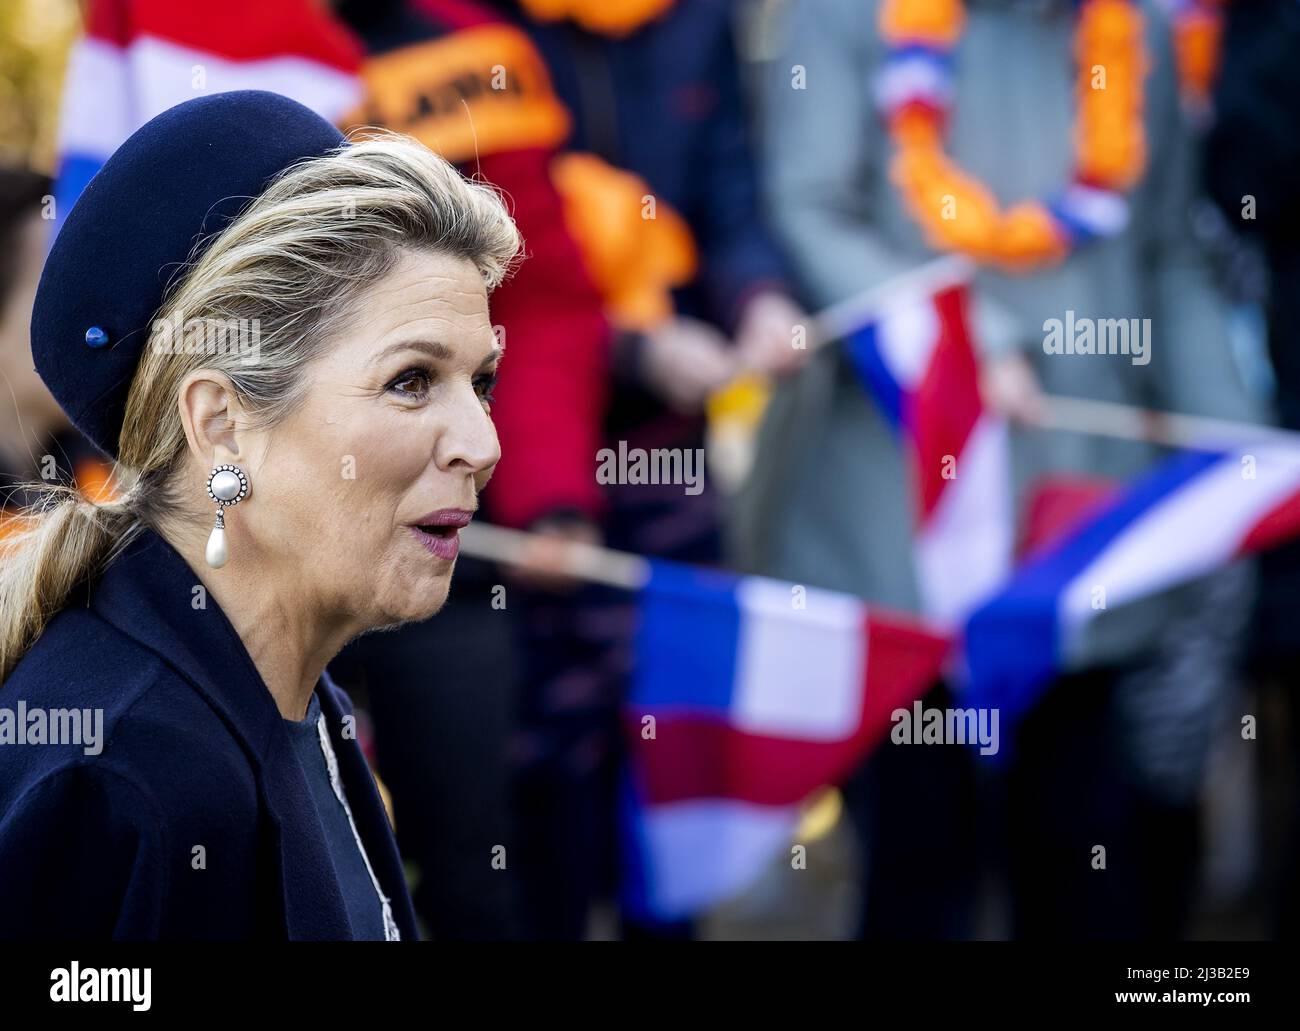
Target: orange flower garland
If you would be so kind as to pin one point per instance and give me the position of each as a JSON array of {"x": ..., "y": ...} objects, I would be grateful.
[{"x": 956, "y": 211}]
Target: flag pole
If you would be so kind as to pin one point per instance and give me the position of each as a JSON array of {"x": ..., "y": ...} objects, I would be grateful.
[
  {"x": 577, "y": 559},
  {"x": 842, "y": 319},
  {"x": 590, "y": 562},
  {"x": 1126, "y": 422},
  {"x": 1070, "y": 414}
]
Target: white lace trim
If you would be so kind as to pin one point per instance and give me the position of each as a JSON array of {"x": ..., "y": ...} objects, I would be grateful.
[{"x": 391, "y": 932}]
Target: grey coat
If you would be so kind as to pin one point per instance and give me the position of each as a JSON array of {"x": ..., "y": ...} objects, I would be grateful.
[{"x": 827, "y": 501}]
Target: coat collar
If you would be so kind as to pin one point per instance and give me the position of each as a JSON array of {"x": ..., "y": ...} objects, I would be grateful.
[{"x": 150, "y": 594}]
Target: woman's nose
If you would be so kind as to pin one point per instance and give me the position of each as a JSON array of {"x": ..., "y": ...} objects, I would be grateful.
[{"x": 469, "y": 441}]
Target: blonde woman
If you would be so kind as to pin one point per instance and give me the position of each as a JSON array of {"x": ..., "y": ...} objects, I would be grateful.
[{"x": 283, "y": 341}]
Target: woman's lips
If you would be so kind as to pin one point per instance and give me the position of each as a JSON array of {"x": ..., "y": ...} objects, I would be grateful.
[
  {"x": 444, "y": 546},
  {"x": 439, "y": 531}
]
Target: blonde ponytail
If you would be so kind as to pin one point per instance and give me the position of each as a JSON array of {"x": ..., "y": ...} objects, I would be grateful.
[{"x": 45, "y": 554}]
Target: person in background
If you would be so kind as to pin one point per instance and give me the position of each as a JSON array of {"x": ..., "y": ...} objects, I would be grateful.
[
  {"x": 659, "y": 189},
  {"x": 442, "y": 741},
  {"x": 36, "y": 441},
  {"x": 1116, "y": 753},
  {"x": 1252, "y": 154}
]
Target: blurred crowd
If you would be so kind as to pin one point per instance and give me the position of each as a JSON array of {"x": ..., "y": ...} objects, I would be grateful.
[{"x": 694, "y": 179}]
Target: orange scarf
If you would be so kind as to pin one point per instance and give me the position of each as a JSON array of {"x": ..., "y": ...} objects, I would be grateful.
[{"x": 607, "y": 17}]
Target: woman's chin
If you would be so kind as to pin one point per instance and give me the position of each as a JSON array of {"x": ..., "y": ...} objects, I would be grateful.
[
  {"x": 418, "y": 603},
  {"x": 406, "y": 586}
]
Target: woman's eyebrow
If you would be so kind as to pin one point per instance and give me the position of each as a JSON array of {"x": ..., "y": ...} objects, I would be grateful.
[{"x": 435, "y": 349}]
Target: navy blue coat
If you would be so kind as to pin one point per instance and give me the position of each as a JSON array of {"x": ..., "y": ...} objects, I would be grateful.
[
  {"x": 195, "y": 820},
  {"x": 667, "y": 103}
]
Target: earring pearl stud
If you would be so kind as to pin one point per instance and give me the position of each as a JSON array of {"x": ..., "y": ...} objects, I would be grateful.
[{"x": 227, "y": 485}]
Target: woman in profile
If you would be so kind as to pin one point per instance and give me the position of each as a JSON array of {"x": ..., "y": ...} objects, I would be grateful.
[{"x": 283, "y": 341}]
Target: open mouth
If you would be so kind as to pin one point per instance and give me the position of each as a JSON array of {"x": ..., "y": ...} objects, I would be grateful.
[{"x": 439, "y": 532}]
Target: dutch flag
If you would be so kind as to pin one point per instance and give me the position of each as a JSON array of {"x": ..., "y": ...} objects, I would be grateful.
[
  {"x": 1197, "y": 511},
  {"x": 140, "y": 57},
  {"x": 916, "y": 359},
  {"x": 749, "y": 694}
]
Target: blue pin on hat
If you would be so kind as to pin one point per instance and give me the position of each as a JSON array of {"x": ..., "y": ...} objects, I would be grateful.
[{"x": 173, "y": 185}]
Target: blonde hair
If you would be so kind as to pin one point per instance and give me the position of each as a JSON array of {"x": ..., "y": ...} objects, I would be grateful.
[{"x": 297, "y": 260}]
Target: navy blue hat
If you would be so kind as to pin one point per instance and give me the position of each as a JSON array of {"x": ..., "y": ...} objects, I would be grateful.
[{"x": 180, "y": 179}]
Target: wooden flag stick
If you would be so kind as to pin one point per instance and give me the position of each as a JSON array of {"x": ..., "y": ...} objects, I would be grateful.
[
  {"x": 1126, "y": 422},
  {"x": 848, "y": 316},
  {"x": 622, "y": 569},
  {"x": 555, "y": 555}
]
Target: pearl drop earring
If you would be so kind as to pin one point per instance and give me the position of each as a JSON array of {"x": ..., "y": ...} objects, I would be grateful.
[{"x": 226, "y": 486}]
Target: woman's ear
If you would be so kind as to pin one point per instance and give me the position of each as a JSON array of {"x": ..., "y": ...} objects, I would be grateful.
[{"x": 212, "y": 416}]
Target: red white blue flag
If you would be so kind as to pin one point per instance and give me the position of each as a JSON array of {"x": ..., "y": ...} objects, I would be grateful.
[
  {"x": 916, "y": 359},
  {"x": 749, "y": 694},
  {"x": 1197, "y": 511},
  {"x": 141, "y": 57}
]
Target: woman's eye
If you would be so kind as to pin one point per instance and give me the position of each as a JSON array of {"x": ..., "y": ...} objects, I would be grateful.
[
  {"x": 484, "y": 385},
  {"x": 412, "y": 383}
]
